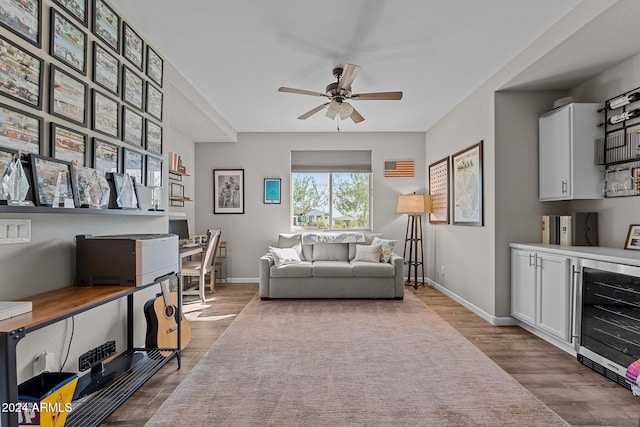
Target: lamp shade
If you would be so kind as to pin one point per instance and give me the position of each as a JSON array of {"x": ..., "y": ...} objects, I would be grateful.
[{"x": 414, "y": 203}]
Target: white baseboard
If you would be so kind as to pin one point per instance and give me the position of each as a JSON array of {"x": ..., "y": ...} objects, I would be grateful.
[
  {"x": 494, "y": 320},
  {"x": 243, "y": 280}
]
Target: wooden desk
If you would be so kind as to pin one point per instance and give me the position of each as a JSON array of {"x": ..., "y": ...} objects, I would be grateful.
[{"x": 186, "y": 252}]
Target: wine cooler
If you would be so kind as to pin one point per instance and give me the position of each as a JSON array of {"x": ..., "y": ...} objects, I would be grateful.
[{"x": 609, "y": 313}]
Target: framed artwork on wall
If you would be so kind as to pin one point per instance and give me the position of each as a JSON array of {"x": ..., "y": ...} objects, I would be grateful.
[
  {"x": 106, "y": 24},
  {"x": 154, "y": 172},
  {"x": 76, "y": 8},
  {"x": 106, "y": 156},
  {"x": 154, "y": 101},
  {"x": 439, "y": 191},
  {"x": 132, "y": 46},
  {"x": 132, "y": 88},
  {"x": 105, "y": 115},
  {"x": 467, "y": 186},
  {"x": 23, "y": 18},
  {"x": 21, "y": 131},
  {"x": 132, "y": 127},
  {"x": 228, "y": 191},
  {"x": 133, "y": 164},
  {"x": 67, "y": 96},
  {"x": 272, "y": 191},
  {"x": 154, "y": 137},
  {"x": 155, "y": 65},
  {"x": 69, "y": 145},
  {"x": 21, "y": 79},
  {"x": 68, "y": 42},
  {"x": 106, "y": 69},
  {"x": 53, "y": 182}
]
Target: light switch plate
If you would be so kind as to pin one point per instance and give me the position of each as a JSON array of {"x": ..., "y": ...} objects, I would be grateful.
[{"x": 15, "y": 231}]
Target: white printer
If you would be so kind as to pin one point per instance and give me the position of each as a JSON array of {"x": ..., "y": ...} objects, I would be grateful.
[{"x": 126, "y": 259}]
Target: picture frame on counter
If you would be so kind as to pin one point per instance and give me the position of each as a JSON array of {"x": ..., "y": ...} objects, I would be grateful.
[
  {"x": 53, "y": 182},
  {"x": 106, "y": 156},
  {"x": 23, "y": 18},
  {"x": 76, "y": 8},
  {"x": 155, "y": 66},
  {"x": 67, "y": 96},
  {"x": 154, "y": 101},
  {"x": 133, "y": 46},
  {"x": 132, "y": 88},
  {"x": 153, "y": 137},
  {"x": 24, "y": 86},
  {"x": 633, "y": 238},
  {"x": 106, "y": 69},
  {"x": 106, "y": 114},
  {"x": 69, "y": 145},
  {"x": 68, "y": 42},
  {"x": 133, "y": 164},
  {"x": 106, "y": 24},
  {"x": 21, "y": 131},
  {"x": 132, "y": 127}
]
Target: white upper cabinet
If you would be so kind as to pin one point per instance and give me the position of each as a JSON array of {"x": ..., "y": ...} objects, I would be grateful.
[{"x": 567, "y": 152}]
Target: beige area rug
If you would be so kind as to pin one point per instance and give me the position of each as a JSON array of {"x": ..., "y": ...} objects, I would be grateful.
[{"x": 348, "y": 363}]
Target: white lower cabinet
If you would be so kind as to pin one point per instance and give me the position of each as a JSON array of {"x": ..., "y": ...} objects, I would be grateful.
[{"x": 542, "y": 290}]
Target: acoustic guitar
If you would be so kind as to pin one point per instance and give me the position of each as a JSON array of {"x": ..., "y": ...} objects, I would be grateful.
[{"x": 162, "y": 327}]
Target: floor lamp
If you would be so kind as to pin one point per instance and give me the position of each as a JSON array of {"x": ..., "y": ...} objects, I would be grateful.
[{"x": 414, "y": 205}]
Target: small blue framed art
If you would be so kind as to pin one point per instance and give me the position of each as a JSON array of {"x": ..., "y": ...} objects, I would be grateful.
[{"x": 272, "y": 190}]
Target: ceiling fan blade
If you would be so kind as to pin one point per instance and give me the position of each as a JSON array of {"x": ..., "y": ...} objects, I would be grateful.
[
  {"x": 356, "y": 117},
  {"x": 300, "y": 91},
  {"x": 349, "y": 74},
  {"x": 313, "y": 111},
  {"x": 378, "y": 96}
]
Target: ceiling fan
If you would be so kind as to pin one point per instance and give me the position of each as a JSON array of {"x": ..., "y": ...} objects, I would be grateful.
[{"x": 339, "y": 92}]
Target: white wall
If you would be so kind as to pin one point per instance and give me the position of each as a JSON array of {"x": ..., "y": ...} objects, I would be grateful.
[{"x": 267, "y": 155}]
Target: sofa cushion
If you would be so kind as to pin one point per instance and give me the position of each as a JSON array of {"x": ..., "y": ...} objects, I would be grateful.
[
  {"x": 332, "y": 268},
  {"x": 289, "y": 240},
  {"x": 387, "y": 248},
  {"x": 368, "y": 253},
  {"x": 282, "y": 256},
  {"x": 331, "y": 252},
  {"x": 301, "y": 269},
  {"x": 368, "y": 239},
  {"x": 369, "y": 269}
]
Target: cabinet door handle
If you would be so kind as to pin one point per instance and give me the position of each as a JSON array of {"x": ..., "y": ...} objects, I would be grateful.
[
  {"x": 564, "y": 187},
  {"x": 532, "y": 260}
]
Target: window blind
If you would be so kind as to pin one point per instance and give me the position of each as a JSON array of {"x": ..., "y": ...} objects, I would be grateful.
[{"x": 331, "y": 161}]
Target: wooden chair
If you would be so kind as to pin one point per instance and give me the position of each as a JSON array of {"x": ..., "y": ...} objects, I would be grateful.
[{"x": 205, "y": 266}]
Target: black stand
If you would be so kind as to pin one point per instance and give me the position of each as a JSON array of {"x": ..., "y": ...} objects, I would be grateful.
[{"x": 413, "y": 239}]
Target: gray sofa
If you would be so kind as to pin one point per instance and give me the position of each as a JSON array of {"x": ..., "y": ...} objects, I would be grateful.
[{"x": 329, "y": 270}]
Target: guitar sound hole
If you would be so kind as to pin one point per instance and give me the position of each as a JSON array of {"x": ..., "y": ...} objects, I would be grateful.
[{"x": 169, "y": 311}]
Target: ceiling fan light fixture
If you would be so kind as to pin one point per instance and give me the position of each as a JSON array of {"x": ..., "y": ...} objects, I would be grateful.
[
  {"x": 345, "y": 110},
  {"x": 333, "y": 109}
]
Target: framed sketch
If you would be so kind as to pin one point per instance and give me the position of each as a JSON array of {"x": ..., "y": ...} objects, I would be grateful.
[
  {"x": 106, "y": 156},
  {"x": 439, "y": 191},
  {"x": 153, "y": 137},
  {"x": 228, "y": 191},
  {"x": 105, "y": 115},
  {"x": 69, "y": 145},
  {"x": 154, "y": 101},
  {"x": 133, "y": 164},
  {"x": 155, "y": 66},
  {"x": 633, "y": 238},
  {"x": 132, "y": 46},
  {"x": 20, "y": 131},
  {"x": 20, "y": 74},
  {"x": 23, "y": 18},
  {"x": 67, "y": 96},
  {"x": 76, "y": 8},
  {"x": 154, "y": 172},
  {"x": 92, "y": 188},
  {"x": 467, "y": 186},
  {"x": 132, "y": 88},
  {"x": 53, "y": 182},
  {"x": 106, "y": 69},
  {"x": 68, "y": 42},
  {"x": 132, "y": 127},
  {"x": 126, "y": 191},
  {"x": 272, "y": 191},
  {"x": 106, "y": 24}
]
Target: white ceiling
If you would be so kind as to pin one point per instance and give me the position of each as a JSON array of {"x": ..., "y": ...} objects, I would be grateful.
[{"x": 237, "y": 53}]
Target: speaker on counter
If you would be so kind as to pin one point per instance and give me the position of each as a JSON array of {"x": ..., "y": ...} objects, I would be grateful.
[{"x": 584, "y": 228}]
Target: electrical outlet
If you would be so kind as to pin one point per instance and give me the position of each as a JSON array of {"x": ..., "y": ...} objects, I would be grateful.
[{"x": 441, "y": 271}]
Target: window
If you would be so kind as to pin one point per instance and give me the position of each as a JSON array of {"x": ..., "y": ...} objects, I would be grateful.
[{"x": 331, "y": 190}]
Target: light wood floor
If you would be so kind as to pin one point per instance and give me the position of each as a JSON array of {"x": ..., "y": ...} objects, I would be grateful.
[{"x": 578, "y": 394}]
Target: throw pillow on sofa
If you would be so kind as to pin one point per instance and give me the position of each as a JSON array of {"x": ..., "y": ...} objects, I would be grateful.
[
  {"x": 386, "y": 248},
  {"x": 283, "y": 256},
  {"x": 368, "y": 253}
]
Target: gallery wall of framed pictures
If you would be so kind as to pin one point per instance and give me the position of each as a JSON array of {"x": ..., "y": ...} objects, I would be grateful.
[{"x": 79, "y": 84}]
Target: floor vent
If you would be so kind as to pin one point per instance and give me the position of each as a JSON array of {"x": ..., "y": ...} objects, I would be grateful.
[{"x": 613, "y": 376}]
